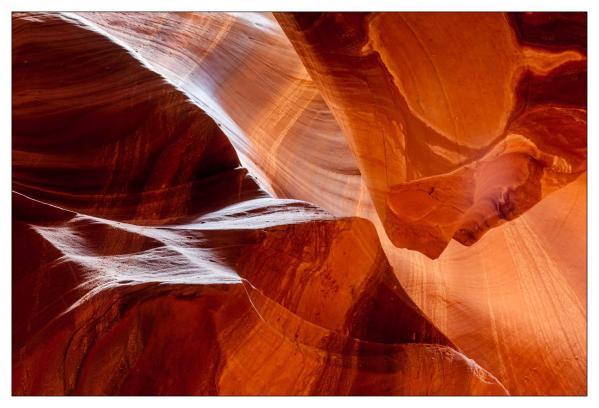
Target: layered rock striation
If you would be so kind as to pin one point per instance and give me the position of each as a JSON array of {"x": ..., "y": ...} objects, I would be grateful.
[{"x": 248, "y": 204}]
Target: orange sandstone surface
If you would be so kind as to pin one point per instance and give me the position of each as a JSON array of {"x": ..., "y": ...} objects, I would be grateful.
[{"x": 299, "y": 204}]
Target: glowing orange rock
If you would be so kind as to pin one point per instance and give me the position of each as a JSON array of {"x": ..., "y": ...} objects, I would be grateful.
[
  {"x": 455, "y": 124},
  {"x": 156, "y": 275},
  {"x": 136, "y": 229}
]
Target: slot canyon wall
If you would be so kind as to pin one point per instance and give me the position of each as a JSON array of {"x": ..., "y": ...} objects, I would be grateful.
[{"x": 299, "y": 204}]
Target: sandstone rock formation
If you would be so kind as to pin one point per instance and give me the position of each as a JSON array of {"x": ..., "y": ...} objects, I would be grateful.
[
  {"x": 248, "y": 204},
  {"x": 455, "y": 124}
]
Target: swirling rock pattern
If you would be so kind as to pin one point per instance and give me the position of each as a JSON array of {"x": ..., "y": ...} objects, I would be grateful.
[
  {"x": 248, "y": 204},
  {"x": 455, "y": 129},
  {"x": 280, "y": 125}
]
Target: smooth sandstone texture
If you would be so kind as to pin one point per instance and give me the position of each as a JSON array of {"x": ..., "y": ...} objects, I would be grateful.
[
  {"x": 515, "y": 301},
  {"x": 242, "y": 70},
  {"x": 510, "y": 160},
  {"x": 153, "y": 237},
  {"x": 456, "y": 125},
  {"x": 162, "y": 268}
]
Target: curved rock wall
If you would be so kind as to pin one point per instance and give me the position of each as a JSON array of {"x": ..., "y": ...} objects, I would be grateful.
[{"x": 250, "y": 204}]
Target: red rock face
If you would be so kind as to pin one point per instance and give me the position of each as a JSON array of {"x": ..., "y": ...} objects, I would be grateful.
[
  {"x": 299, "y": 204},
  {"x": 448, "y": 124}
]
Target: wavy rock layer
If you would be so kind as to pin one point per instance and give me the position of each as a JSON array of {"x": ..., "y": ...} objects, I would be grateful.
[
  {"x": 242, "y": 70},
  {"x": 150, "y": 236},
  {"x": 160, "y": 267},
  {"x": 455, "y": 130}
]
